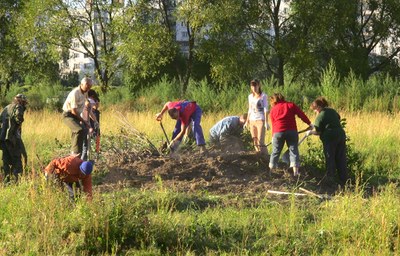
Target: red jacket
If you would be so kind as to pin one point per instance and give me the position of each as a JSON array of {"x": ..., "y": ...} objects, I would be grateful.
[
  {"x": 283, "y": 117},
  {"x": 67, "y": 168}
]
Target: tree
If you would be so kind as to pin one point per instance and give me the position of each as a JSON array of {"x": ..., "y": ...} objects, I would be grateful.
[
  {"x": 145, "y": 37},
  {"x": 50, "y": 26},
  {"x": 349, "y": 33},
  {"x": 244, "y": 39},
  {"x": 9, "y": 51},
  {"x": 223, "y": 41}
]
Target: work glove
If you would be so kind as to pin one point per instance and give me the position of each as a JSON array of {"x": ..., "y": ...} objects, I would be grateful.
[{"x": 267, "y": 126}]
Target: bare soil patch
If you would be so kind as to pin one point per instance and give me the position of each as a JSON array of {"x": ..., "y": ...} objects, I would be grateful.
[{"x": 242, "y": 174}]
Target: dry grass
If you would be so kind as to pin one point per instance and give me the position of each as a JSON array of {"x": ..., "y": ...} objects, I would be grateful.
[{"x": 41, "y": 129}]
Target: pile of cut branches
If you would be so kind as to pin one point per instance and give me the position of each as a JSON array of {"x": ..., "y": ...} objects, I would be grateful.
[{"x": 129, "y": 144}]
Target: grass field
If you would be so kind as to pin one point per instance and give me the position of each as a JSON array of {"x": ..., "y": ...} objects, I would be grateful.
[
  {"x": 37, "y": 220},
  {"x": 376, "y": 135}
]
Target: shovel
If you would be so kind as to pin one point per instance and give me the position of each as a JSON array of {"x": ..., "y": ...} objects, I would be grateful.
[
  {"x": 166, "y": 137},
  {"x": 285, "y": 156}
]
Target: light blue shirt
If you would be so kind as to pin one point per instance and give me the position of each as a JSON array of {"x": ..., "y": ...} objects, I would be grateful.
[{"x": 227, "y": 126}]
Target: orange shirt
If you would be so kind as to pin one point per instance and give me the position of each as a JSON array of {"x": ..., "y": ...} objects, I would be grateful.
[{"x": 67, "y": 168}]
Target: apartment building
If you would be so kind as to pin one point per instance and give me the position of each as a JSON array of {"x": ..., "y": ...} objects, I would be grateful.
[{"x": 79, "y": 60}]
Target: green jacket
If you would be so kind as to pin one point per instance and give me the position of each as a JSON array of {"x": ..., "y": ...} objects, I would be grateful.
[{"x": 328, "y": 125}]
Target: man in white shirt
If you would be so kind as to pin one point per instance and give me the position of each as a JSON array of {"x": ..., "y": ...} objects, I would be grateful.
[{"x": 72, "y": 109}]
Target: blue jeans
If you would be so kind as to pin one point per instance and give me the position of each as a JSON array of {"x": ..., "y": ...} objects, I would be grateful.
[
  {"x": 195, "y": 119},
  {"x": 278, "y": 141}
]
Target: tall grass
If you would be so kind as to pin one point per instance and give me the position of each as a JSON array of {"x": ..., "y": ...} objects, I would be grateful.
[
  {"x": 375, "y": 135},
  {"x": 38, "y": 220}
]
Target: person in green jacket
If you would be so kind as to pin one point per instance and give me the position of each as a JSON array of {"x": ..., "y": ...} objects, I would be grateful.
[
  {"x": 328, "y": 127},
  {"x": 11, "y": 142}
]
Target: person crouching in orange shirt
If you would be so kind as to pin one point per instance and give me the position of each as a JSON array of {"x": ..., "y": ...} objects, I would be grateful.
[{"x": 69, "y": 171}]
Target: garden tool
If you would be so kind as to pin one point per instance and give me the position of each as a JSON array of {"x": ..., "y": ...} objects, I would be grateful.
[{"x": 166, "y": 137}]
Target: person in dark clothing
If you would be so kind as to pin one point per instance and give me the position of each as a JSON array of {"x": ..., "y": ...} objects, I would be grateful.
[
  {"x": 11, "y": 142},
  {"x": 328, "y": 127},
  {"x": 91, "y": 115}
]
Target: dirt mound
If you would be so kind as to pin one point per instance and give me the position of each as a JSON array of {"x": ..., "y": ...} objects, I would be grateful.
[{"x": 242, "y": 174}]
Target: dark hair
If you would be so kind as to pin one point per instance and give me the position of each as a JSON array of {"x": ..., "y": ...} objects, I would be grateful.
[
  {"x": 276, "y": 97},
  {"x": 93, "y": 94},
  {"x": 255, "y": 82},
  {"x": 172, "y": 112},
  {"x": 319, "y": 102}
]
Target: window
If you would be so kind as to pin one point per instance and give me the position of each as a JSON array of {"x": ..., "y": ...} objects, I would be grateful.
[
  {"x": 184, "y": 34},
  {"x": 76, "y": 45},
  {"x": 75, "y": 55},
  {"x": 285, "y": 10},
  {"x": 87, "y": 65},
  {"x": 76, "y": 66},
  {"x": 85, "y": 55}
]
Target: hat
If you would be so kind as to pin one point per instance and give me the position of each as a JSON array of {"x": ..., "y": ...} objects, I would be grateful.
[
  {"x": 86, "y": 167},
  {"x": 21, "y": 97}
]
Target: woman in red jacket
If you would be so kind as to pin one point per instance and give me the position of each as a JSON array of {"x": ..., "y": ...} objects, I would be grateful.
[{"x": 284, "y": 129}]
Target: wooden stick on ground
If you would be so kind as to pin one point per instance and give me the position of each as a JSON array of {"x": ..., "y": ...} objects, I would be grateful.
[
  {"x": 285, "y": 193},
  {"x": 312, "y": 193}
]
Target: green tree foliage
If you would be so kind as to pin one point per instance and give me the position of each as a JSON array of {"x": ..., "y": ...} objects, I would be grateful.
[
  {"x": 146, "y": 43},
  {"x": 224, "y": 43},
  {"x": 15, "y": 63},
  {"x": 54, "y": 27},
  {"x": 348, "y": 32}
]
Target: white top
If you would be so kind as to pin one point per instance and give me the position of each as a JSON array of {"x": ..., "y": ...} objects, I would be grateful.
[
  {"x": 257, "y": 107},
  {"x": 76, "y": 99}
]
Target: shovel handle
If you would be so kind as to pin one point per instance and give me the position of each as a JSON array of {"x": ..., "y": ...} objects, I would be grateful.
[
  {"x": 166, "y": 136},
  {"x": 304, "y": 130}
]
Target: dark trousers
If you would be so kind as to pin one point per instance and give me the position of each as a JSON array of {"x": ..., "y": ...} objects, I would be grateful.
[
  {"x": 79, "y": 132},
  {"x": 335, "y": 157},
  {"x": 11, "y": 159}
]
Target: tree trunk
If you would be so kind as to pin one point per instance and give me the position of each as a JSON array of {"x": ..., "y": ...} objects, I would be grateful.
[{"x": 189, "y": 63}]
